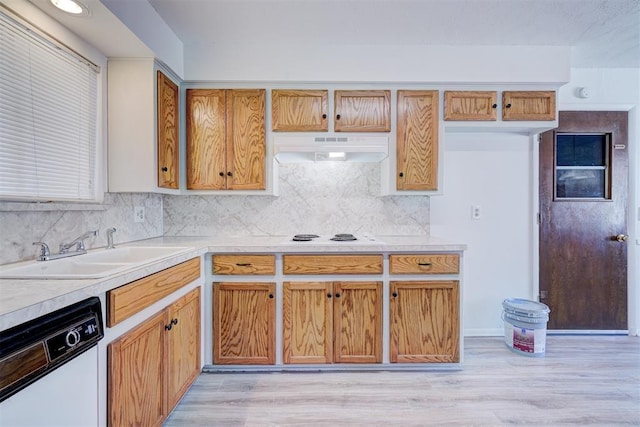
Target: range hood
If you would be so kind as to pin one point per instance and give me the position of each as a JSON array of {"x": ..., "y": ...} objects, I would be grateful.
[{"x": 309, "y": 148}]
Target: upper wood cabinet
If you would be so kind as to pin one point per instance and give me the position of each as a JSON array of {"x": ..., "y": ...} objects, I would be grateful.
[
  {"x": 244, "y": 323},
  {"x": 299, "y": 110},
  {"x": 168, "y": 124},
  {"x": 226, "y": 139},
  {"x": 362, "y": 111},
  {"x": 470, "y": 105},
  {"x": 417, "y": 140},
  {"x": 529, "y": 105}
]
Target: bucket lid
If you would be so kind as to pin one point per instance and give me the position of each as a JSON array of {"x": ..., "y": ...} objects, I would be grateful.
[{"x": 526, "y": 307}]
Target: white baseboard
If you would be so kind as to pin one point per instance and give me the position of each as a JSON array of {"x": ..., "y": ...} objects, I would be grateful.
[{"x": 484, "y": 332}]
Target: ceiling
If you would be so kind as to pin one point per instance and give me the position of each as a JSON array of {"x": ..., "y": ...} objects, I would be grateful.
[{"x": 601, "y": 33}]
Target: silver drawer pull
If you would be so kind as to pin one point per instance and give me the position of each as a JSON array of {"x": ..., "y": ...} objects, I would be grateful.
[{"x": 246, "y": 264}]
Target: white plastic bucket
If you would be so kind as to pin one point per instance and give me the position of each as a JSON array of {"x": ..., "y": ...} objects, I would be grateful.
[{"x": 525, "y": 326}]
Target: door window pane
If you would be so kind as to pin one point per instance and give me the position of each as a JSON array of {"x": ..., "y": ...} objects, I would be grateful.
[{"x": 582, "y": 166}]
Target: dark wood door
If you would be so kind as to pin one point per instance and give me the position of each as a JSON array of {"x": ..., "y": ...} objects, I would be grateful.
[{"x": 583, "y": 221}]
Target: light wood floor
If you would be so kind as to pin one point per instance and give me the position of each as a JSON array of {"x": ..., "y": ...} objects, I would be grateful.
[{"x": 592, "y": 380}]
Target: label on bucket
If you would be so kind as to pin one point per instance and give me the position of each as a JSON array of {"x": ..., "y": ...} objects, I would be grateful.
[{"x": 530, "y": 341}]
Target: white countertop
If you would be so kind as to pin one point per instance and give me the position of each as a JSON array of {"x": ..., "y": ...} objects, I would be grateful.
[{"x": 25, "y": 299}]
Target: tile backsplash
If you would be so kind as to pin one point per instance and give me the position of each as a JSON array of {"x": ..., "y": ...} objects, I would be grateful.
[
  {"x": 322, "y": 198},
  {"x": 24, "y": 223}
]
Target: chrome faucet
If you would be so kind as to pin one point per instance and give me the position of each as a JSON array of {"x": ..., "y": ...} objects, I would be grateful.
[
  {"x": 110, "y": 232},
  {"x": 79, "y": 242}
]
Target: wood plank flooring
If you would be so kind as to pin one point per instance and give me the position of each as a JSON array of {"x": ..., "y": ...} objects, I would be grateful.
[{"x": 582, "y": 380}]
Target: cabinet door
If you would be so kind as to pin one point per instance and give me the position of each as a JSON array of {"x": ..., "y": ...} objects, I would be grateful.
[
  {"x": 244, "y": 323},
  {"x": 531, "y": 105},
  {"x": 417, "y": 140},
  {"x": 307, "y": 320},
  {"x": 206, "y": 133},
  {"x": 470, "y": 105},
  {"x": 168, "y": 141},
  {"x": 299, "y": 110},
  {"x": 362, "y": 111},
  {"x": 357, "y": 322},
  {"x": 183, "y": 346},
  {"x": 135, "y": 381},
  {"x": 424, "y": 322},
  {"x": 246, "y": 140}
]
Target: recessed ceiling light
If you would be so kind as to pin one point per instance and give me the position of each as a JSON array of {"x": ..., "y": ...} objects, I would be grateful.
[{"x": 71, "y": 6}]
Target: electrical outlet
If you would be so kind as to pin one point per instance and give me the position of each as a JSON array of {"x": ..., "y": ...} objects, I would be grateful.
[
  {"x": 138, "y": 213},
  {"x": 476, "y": 212}
]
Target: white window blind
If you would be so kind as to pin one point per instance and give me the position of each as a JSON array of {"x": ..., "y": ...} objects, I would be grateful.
[{"x": 48, "y": 118}]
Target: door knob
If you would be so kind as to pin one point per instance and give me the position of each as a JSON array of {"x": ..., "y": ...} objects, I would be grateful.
[{"x": 622, "y": 238}]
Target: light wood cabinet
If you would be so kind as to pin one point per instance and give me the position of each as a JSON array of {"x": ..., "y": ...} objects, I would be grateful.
[
  {"x": 470, "y": 105},
  {"x": 167, "y": 132},
  {"x": 529, "y": 105},
  {"x": 332, "y": 264},
  {"x": 226, "y": 139},
  {"x": 417, "y": 140},
  {"x": 424, "y": 322},
  {"x": 299, "y": 110},
  {"x": 244, "y": 323},
  {"x": 326, "y": 322},
  {"x": 424, "y": 264},
  {"x": 127, "y": 300},
  {"x": 183, "y": 346},
  {"x": 152, "y": 366},
  {"x": 244, "y": 264},
  {"x": 362, "y": 111}
]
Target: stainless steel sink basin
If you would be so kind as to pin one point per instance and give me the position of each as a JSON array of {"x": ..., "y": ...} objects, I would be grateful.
[{"x": 92, "y": 265}]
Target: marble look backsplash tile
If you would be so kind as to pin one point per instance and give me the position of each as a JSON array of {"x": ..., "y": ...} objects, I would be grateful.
[
  {"x": 20, "y": 228},
  {"x": 320, "y": 198}
]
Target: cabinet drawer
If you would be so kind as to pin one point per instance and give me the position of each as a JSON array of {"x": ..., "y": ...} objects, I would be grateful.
[
  {"x": 129, "y": 299},
  {"x": 332, "y": 264},
  {"x": 244, "y": 264},
  {"x": 424, "y": 264}
]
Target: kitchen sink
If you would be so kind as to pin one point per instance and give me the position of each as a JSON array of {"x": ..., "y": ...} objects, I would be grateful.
[{"x": 93, "y": 265}]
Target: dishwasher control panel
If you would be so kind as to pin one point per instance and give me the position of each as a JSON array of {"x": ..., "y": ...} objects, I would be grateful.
[{"x": 32, "y": 349}]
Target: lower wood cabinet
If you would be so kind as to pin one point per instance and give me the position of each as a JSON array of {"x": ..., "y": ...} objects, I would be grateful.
[
  {"x": 326, "y": 322},
  {"x": 152, "y": 366},
  {"x": 424, "y": 321},
  {"x": 244, "y": 323}
]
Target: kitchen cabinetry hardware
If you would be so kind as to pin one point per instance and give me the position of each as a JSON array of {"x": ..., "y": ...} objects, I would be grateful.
[
  {"x": 395, "y": 294},
  {"x": 425, "y": 264},
  {"x": 229, "y": 174},
  {"x": 271, "y": 296},
  {"x": 329, "y": 295},
  {"x": 174, "y": 321},
  {"x": 243, "y": 264},
  {"x": 337, "y": 295},
  {"x": 494, "y": 105},
  {"x": 165, "y": 169},
  {"x": 168, "y": 326},
  {"x": 507, "y": 106},
  {"x": 401, "y": 174},
  {"x": 622, "y": 238},
  {"x": 324, "y": 116},
  {"x": 338, "y": 117}
]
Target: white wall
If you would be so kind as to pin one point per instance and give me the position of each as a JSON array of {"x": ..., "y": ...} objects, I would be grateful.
[
  {"x": 492, "y": 171},
  {"x": 380, "y": 63}
]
